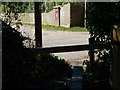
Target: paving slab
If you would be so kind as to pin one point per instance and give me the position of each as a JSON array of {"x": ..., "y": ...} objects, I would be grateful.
[{"x": 76, "y": 80}]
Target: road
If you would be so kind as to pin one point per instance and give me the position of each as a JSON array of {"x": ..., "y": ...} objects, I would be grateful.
[{"x": 61, "y": 38}]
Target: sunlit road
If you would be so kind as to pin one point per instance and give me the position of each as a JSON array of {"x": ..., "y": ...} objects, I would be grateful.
[{"x": 61, "y": 38}]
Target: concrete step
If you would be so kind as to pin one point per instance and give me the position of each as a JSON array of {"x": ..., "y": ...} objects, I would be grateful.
[{"x": 76, "y": 80}]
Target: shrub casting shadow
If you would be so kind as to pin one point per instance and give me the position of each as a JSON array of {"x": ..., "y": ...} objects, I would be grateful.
[{"x": 24, "y": 69}]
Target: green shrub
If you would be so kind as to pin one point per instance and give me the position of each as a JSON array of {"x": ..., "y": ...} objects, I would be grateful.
[{"x": 23, "y": 68}]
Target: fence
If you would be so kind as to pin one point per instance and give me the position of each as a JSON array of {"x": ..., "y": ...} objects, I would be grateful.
[{"x": 72, "y": 48}]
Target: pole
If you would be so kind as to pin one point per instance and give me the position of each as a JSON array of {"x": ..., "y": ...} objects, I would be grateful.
[
  {"x": 91, "y": 42},
  {"x": 38, "y": 26},
  {"x": 85, "y": 15}
]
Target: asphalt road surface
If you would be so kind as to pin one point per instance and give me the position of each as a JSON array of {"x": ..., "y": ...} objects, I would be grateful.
[{"x": 62, "y": 38}]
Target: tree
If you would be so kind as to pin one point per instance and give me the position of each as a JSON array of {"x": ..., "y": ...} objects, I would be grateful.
[
  {"x": 12, "y": 11},
  {"x": 101, "y": 17},
  {"x": 47, "y": 6},
  {"x": 22, "y": 68}
]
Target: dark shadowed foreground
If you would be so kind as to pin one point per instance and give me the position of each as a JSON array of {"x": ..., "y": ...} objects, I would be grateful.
[{"x": 24, "y": 69}]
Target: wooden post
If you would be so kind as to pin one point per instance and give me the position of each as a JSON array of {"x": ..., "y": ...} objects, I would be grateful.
[
  {"x": 116, "y": 59},
  {"x": 1, "y": 54},
  {"x": 91, "y": 41},
  {"x": 38, "y": 26}
]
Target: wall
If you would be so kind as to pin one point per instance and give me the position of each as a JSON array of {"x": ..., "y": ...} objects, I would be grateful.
[
  {"x": 116, "y": 59},
  {"x": 77, "y": 14},
  {"x": 27, "y": 18},
  {"x": 71, "y": 14},
  {"x": 65, "y": 16},
  {"x": 48, "y": 18}
]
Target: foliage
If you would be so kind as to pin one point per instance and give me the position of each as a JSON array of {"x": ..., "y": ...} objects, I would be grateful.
[
  {"x": 48, "y": 6},
  {"x": 74, "y": 29},
  {"x": 12, "y": 12},
  {"x": 12, "y": 52},
  {"x": 17, "y": 7},
  {"x": 52, "y": 27},
  {"x": 23, "y": 68},
  {"x": 99, "y": 69},
  {"x": 101, "y": 17}
]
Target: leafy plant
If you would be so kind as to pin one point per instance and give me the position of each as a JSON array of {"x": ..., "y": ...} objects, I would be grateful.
[
  {"x": 12, "y": 12},
  {"x": 101, "y": 17},
  {"x": 23, "y": 68},
  {"x": 48, "y": 6}
]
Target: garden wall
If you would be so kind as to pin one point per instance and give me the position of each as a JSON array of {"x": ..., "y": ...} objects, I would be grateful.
[
  {"x": 48, "y": 18},
  {"x": 65, "y": 15},
  {"x": 71, "y": 14},
  {"x": 27, "y": 18}
]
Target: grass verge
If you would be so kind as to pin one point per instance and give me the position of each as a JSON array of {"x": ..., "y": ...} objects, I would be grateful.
[
  {"x": 60, "y": 28},
  {"x": 76, "y": 28}
]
